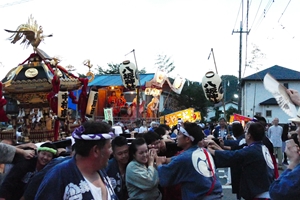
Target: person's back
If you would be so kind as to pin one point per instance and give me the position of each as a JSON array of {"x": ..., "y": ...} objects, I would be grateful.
[
  {"x": 255, "y": 160},
  {"x": 33, "y": 185},
  {"x": 197, "y": 178}
]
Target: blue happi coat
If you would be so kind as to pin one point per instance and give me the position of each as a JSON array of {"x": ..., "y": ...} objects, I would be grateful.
[
  {"x": 191, "y": 170},
  {"x": 257, "y": 169},
  {"x": 65, "y": 181},
  {"x": 287, "y": 186}
]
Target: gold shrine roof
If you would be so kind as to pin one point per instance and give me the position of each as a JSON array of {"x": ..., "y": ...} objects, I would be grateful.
[{"x": 35, "y": 77}]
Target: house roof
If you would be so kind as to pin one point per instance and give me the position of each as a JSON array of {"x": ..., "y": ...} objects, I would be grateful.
[
  {"x": 278, "y": 72},
  {"x": 271, "y": 101},
  {"x": 115, "y": 80},
  {"x": 227, "y": 102}
]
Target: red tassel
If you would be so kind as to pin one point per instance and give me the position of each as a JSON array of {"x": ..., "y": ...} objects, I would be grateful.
[
  {"x": 73, "y": 97},
  {"x": 3, "y": 117},
  {"x": 56, "y": 129},
  {"x": 82, "y": 102}
]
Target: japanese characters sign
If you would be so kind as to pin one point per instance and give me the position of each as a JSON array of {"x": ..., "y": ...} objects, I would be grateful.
[
  {"x": 62, "y": 104},
  {"x": 92, "y": 103},
  {"x": 212, "y": 87},
  {"x": 129, "y": 75}
]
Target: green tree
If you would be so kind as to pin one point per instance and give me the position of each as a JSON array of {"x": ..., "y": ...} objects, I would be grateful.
[
  {"x": 230, "y": 87},
  {"x": 81, "y": 75},
  {"x": 114, "y": 69},
  {"x": 165, "y": 63},
  {"x": 230, "y": 111},
  {"x": 192, "y": 96}
]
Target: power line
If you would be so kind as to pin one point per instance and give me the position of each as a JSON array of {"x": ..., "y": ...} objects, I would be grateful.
[
  {"x": 14, "y": 3},
  {"x": 267, "y": 9},
  {"x": 263, "y": 15},
  {"x": 256, "y": 14},
  {"x": 284, "y": 10},
  {"x": 247, "y": 19},
  {"x": 237, "y": 15}
]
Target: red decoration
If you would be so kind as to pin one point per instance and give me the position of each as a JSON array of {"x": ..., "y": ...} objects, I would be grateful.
[
  {"x": 3, "y": 117},
  {"x": 83, "y": 98},
  {"x": 73, "y": 97},
  {"x": 52, "y": 98}
]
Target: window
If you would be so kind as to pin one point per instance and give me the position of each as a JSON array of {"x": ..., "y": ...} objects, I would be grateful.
[
  {"x": 286, "y": 85},
  {"x": 258, "y": 113},
  {"x": 268, "y": 113}
]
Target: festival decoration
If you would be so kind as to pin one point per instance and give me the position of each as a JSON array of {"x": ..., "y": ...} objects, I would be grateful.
[
  {"x": 92, "y": 102},
  {"x": 30, "y": 33},
  {"x": 159, "y": 78},
  {"x": 108, "y": 114},
  {"x": 279, "y": 92},
  {"x": 178, "y": 84},
  {"x": 128, "y": 72},
  {"x": 89, "y": 74},
  {"x": 153, "y": 91},
  {"x": 152, "y": 107},
  {"x": 3, "y": 117},
  {"x": 185, "y": 115},
  {"x": 40, "y": 83},
  {"x": 212, "y": 87},
  {"x": 62, "y": 105},
  {"x": 240, "y": 118}
]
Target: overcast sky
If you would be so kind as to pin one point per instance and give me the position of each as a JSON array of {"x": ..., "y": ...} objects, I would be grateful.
[{"x": 185, "y": 30}]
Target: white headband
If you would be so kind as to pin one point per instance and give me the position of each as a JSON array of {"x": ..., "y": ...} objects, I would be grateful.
[{"x": 184, "y": 132}]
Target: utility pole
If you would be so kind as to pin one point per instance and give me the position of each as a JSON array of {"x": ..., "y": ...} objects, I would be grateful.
[{"x": 240, "y": 67}]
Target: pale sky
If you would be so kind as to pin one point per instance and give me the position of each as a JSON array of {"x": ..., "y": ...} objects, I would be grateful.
[{"x": 185, "y": 30}]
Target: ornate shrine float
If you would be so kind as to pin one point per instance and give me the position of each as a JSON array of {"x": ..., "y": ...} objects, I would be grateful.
[{"x": 41, "y": 87}]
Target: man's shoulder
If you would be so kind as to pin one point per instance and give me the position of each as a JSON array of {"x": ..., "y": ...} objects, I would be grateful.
[
  {"x": 112, "y": 163},
  {"x": 61, "y": 165}
]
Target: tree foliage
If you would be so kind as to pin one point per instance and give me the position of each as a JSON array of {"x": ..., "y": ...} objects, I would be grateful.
[
  {"x": 192, "y": 96},
  {"x": 230, "y": 111},
  {"x": 165, "y": 63},
  {"x": 81, "y": 75},
  {"x": 113, "y": 69},
  {"x": 257, "y": 57},
  {"x": 230, "y": 87}
]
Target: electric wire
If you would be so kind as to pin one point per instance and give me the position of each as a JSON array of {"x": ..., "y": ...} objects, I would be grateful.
[
  {"x": 263, "y": 15},
  {"x": 247, "y": 20},
  {"x": 256, "y": 14},
  {"x": 237, "y": 15},
  {"x": 14, "y": 3},
  {"x": 284, "y": 10},
  {"x": 267, "y": 9}
]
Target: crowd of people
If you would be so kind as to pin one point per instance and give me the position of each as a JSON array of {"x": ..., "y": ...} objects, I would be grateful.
[{"x": 158, "y": 162}]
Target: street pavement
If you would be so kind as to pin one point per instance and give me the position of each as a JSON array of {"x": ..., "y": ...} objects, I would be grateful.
[{"x": 222, "y": 175}]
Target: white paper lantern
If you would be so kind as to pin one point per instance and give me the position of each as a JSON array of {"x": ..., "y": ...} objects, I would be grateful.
[
  {"x": 178, "y": 84},
  {"x": 159, "y": 78},
  {"x": 129, "y": 75},
  {"x": 92, "y": 103},
  {"x": 62, "y": 104},
  {"x": 212, "y": 87}
]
